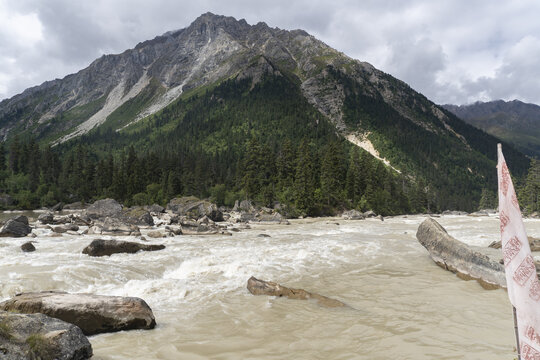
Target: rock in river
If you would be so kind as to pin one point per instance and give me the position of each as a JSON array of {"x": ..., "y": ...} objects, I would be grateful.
[
  {"x": 28, "y": 247},
  {"x": 261, "y": 287},
  {"x": 100, "y": 247},
  {"x": 94, "y": 314},
  {"x": 16, "y": 227},
  {"x": 37, "y": 336},
  {"x": 104, "y": 208},
  {"x": 457, "y": 257}
]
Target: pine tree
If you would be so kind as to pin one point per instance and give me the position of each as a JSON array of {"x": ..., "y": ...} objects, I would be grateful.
[
  {"x": 304, "y": 184},
  {"x": 530, "y": 192}
]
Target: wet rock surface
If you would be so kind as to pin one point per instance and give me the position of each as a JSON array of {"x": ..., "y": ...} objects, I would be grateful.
[
  {"x": 16, "y": 227},
  {"x": 261, "y": 287},
  {"x": 453, "y": 255},
  {"x": 93, "y": 314},
  {"x": 100, "y": 247},
  {"x": 37, "y": 336}
]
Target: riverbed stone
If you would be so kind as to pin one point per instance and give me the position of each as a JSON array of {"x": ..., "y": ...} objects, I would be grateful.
[
  {"x": 28, "y": 247},
  {"x": 93, "y": 314},
  {"x": 194, "y": 208},
  {"x": 101, "y": 247},
  {"x": 534, "y": 244},
  {"x": 16, "y": 227},
  {"x": 261, "y": 287},
  {"x": 353, "y": 215},
  {"x": 38, "y": 336},
  {"x": 465, "y": 261},
  {"x": 137, "y": 216},
  {"x": 104, "y": 208}
]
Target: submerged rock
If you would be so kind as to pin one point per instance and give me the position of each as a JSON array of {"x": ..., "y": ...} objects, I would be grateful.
[
  {"x": 16, "y": 227},
  {"x": 37, "y": 336},
  {"x": 100, "y": 247},
  {"x": 453, "y": 255},
  {"x": 28, "y": 247},
  {"x": 93, "y": 314},
  {"x": 261, "y": 287}
]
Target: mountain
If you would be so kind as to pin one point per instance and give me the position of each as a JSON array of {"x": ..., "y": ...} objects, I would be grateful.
[
  {"x": 516, "y": 122},
  {"x": 270, "y": 114}
]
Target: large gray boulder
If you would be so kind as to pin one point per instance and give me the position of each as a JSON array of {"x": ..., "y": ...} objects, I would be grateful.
[
  {"x": 100, "y": 247},
  {"x": 353, "y": 215},
  {"x": 16, "y": 227},
  {"x": 37, "y": 336},
  {"x": 457, "y": 257},
  {"x": 261, "y": 287},
  {"x": 115, "y": 226},
  {"x": 137, "y": 216},
  {"x": 104, "y": 208},
  {"x": 93, "y": 314},
  {"x": 195, "y": 208}
]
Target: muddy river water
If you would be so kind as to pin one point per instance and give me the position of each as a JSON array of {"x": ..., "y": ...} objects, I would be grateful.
[{"x": 402, "y": 306}]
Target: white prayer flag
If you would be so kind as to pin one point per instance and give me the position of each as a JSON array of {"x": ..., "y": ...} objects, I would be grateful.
[{"x": 521, "y": 279}]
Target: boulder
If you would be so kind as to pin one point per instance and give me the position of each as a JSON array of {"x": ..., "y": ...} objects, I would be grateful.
[
  {"x": 272, "y": 218},
  {"x": 191, "y": 227},
  {"x": 454, "y": 212},
  {"x": 38, "y": 336},
  {"x": 46, "y": 218},
  {"x": 28, "y": 247},
  {"x": 115, "y": 226},
  {"x": 58, "y": 207},
  {"x": 353, "y": 215},
  {"x": 261, "y": 287},
  {"x": 244, "y": 206},
  {"x": 194, "y": 208},
  {"x": 534, "y": 244},
  {"x": 453, "y": 255},
  {"x": 154, "y": 209},
  {"x": 370, "y": 214},
  {"x": 100, "y": 247},
  {"x": 65, "y": 228},
  {"x": 104, "y": 208},
  {"x": 74, "y": 206},
  {"x": 16, "y": 227},
  {"x": 137, "y": 216},
  {"x": 93, "y": 314},
  {"x": 176, "y": 230},
  {"x": 156, "y": 234}
]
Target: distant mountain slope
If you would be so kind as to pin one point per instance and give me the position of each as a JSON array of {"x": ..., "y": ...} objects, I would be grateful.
[
  {"x": 513, "y": 121},
  {"x": 212, "y": 87}
]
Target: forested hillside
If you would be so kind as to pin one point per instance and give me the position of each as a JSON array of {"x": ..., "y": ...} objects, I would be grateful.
[{"x": 228, "y": 110}]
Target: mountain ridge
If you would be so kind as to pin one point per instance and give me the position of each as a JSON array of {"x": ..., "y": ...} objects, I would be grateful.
[
  {"x": 146, "y": 93},
  {"x": 514, "y": 121}
]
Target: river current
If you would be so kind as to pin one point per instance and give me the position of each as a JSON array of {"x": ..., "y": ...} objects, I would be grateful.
[{"x": 402, "y": 305}]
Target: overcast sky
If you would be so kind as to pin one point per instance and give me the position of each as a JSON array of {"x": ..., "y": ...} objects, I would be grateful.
[{"x": 455, "y": 51}]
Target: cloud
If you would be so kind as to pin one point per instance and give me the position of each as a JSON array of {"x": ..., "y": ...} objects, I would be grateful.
[{"x": 452, "y": 51}]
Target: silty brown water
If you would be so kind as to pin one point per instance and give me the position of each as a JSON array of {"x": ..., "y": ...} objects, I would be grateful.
[{"x": 402, "y": 306}]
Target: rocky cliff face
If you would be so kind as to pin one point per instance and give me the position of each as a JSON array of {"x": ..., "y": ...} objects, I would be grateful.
[{"x": 212, "y": 48}]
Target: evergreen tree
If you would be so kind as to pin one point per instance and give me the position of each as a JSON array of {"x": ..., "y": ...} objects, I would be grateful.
[{"x": 530, "y": 192}]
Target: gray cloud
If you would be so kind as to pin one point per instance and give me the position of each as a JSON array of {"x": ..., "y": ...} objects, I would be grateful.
[{"x": 452, "y": 51}]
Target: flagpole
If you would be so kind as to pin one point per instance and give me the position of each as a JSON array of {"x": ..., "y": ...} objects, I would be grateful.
[{"x": 517, "y": 332}]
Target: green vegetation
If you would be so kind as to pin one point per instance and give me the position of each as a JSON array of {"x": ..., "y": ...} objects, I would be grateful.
[
  {"x": 40, "y": 347},
  {"x": 231, "y": 141},
  {"x": 5, "y": 330},
  {"x": 454, "y": 178},
  {"x": 529, "y": 193}
]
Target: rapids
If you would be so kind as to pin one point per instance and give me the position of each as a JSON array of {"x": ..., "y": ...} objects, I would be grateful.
[{"x": 402, "y": 305}]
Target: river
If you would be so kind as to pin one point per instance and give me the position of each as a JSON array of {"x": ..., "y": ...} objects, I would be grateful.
[{"x": 402, "y": 306}]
